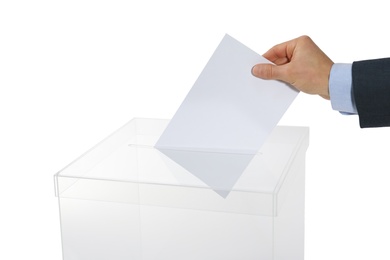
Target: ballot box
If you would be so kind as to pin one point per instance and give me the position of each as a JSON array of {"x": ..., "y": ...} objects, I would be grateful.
[{"x": 125, "y": 200}]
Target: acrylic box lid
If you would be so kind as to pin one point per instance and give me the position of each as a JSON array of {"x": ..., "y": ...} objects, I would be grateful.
[{"x": 128, "y": 155}]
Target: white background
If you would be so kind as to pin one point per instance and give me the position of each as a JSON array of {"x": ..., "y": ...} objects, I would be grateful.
[{"x": 72, "y": 72}]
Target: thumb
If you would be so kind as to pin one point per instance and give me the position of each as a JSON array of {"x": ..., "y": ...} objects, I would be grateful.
[{"x": 268, "y": 71}]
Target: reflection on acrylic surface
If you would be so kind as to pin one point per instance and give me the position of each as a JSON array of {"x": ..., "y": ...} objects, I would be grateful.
[{"x": 219, "y": 170}]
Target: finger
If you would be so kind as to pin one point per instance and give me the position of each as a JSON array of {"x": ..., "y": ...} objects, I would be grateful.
[
  {"x": 276, "y": 57},
  {"x": 268, "y": 71},
  {"x": 282, "y": 53}
]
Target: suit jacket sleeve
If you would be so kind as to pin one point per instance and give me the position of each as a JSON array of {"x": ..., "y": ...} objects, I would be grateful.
[{"x": 371, "y": 91}]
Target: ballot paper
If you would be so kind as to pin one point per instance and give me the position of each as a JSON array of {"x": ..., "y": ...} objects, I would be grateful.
[{"x": 225, "y": 118}]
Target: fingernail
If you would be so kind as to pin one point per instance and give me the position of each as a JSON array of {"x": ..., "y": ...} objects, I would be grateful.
[{"x": 254, "y": 70}]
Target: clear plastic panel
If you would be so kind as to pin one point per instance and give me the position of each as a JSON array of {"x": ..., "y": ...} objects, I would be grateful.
[{"x": 124, "y": 200}]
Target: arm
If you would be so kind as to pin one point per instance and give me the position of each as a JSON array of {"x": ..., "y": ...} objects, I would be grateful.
[
  {"x": 371, "y": 87},
  {"x": 363, "y": 87}
]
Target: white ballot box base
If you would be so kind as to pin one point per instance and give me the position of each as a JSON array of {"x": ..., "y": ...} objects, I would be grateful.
[{"x": 125, "y": 200}]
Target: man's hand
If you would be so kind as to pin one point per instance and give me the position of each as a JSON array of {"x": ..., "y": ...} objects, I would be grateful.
[{"x": 299, "y": 62}]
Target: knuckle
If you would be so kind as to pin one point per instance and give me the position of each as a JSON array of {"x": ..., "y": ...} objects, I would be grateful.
[
  {"x": 305, "y": 38},
  {"x": 267, "y": 71}
]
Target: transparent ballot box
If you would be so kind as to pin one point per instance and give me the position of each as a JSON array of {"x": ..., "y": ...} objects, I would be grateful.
[{"x": 125, "y": 200}]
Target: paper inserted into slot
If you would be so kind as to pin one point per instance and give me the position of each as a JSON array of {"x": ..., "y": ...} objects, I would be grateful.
[{"x": 226, "y": 117}]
